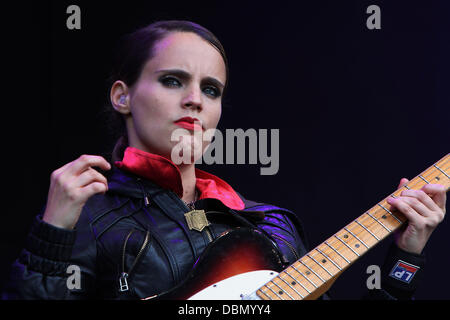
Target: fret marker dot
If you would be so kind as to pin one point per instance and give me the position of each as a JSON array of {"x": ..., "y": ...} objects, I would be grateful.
[
  {"x": 323, "y": 260},
  {"x": 280, "y": 292},
  {"x": 293, "y": 283},
  {"x": 437, "y": 178},
  {"x": 384, "y": 216},
  {"x": 345, "y": 236},
  {"x": 308, "y": 273},
  {"x": 357, "y": 245}
]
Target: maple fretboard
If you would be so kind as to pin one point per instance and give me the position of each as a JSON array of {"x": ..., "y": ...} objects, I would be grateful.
[{"x": 312, "y": 275}]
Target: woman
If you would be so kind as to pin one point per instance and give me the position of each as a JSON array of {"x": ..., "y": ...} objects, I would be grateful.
[{"x": 130, "y": 233}]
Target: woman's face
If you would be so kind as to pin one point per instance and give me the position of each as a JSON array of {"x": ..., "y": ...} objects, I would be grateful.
[{"x": 184, "y": 78}]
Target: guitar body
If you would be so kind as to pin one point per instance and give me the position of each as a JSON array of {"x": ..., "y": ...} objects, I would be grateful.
[{"x": 235, "y": 264}]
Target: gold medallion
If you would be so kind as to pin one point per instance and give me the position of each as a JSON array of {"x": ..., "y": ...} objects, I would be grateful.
[{"x": 196, "y": 220}]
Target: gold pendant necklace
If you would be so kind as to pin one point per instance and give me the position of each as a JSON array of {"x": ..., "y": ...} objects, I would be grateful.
[{"x": 196, "y": 219}]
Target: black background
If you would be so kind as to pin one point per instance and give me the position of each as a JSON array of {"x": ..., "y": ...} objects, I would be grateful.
[{"x": 357, "y": 109}]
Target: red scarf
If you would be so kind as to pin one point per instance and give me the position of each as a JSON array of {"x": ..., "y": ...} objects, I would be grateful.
[{"x": 166, "y": 174}]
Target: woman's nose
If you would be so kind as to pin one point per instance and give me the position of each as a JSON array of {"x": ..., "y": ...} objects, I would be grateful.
[{"x": 193, "y": 99}]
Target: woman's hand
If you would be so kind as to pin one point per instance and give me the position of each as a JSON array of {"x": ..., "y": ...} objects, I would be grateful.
[
  {"x": 424, "y": 209},
  {"x": 71, "y": 186}
]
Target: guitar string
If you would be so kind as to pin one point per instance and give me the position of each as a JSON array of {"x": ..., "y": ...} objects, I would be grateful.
[{"x": 314, "y": 253}]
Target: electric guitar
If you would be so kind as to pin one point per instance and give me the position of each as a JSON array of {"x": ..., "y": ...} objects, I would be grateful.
[{"x": 243, "y": 264}]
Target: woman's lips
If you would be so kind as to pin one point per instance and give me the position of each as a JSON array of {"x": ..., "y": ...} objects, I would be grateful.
[{"x": 189, "y": 124}]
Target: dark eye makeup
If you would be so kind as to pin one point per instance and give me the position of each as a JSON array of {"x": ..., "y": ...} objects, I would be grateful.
[{"x": 173, "y": 82}]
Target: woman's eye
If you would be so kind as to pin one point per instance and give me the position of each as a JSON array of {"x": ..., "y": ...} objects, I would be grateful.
[
  {"x": 170, "y": 82},
  {"x": 212, "y": 91}
]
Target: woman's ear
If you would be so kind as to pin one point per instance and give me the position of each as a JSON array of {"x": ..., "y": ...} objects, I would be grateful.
[{"x": 120, "y": 97}]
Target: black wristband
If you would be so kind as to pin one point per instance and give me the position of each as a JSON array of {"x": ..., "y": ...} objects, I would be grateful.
[{"x": 402, "y": 272}]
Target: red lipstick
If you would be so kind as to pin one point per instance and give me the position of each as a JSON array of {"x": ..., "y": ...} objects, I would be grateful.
[{"x": 189, "y": 123}]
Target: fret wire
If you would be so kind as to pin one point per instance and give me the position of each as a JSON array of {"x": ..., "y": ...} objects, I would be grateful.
[
  {"x": 273, "y": 292},
  {"x": 430, "y": 175},
  {"x": 374, "y": 223},
  {"x": 433, "y": 173},
  {"x": 389, "y": 230},
  {"x": 345, "y": 228},
  {"x": 320, "y": 265},
  {"x": 388, "y": 211},
  {"x": 407, "y": 187},
  {"x": 304, "y": 276},
  {"x": 367, "y": 230},
  {"x": 441, "y": 171},
  {"x": 346, "y": 245},
  {"x": 282, "y": 290},
  {"x": 312, "y": 271},
  {"x": 296, "y": 280},
  {"x": 423, "y": 179},
  {"x": 291, "y": 287},
  {"x": 337, "y": 252},
  {"x": 261, "y": 290},
  {"x": 360, "y": 232},
  {"x": 329, "y": 259}
]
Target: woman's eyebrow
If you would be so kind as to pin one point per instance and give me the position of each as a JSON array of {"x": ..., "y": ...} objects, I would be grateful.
[{"x": 186, "y": 75}]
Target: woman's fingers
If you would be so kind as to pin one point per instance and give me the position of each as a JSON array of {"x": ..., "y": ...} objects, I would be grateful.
[
  {"x": 403, "y": 182},
  {"x": 438, "y": 193},
  {"x": 85, "y": 161},
  {"x": 71, "y": 186},
  {"x": 91, "y": 182},
  {"x": 406, "y": 207},
  {"x": 425, "y": 207},
  {"x": 420, "y": 196},
  {"x": 94, "y": 188},
  {"x": 89, "y": 176}
]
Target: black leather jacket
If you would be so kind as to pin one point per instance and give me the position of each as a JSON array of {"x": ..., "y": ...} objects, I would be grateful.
[{"x": 139, "y": 228}]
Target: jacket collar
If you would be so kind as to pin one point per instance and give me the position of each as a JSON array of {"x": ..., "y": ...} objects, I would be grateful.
[{"x": 164, "y": 173}]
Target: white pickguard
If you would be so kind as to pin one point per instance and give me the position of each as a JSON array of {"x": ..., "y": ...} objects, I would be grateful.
[{"x": 240, "y": 287}]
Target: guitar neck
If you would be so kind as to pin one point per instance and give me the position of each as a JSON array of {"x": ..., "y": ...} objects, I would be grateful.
[{"x": 314, "y": 273}]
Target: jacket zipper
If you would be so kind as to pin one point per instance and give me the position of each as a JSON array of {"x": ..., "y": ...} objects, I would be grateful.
[
  {"x": 123, "y": 282},
  {"x": 288, "y": 244},
  {"x": 146, "y": 201},
  {"x": 208, "y": 233}
]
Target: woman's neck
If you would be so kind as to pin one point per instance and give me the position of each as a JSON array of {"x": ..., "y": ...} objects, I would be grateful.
[{"x": 188, "y": 180}]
